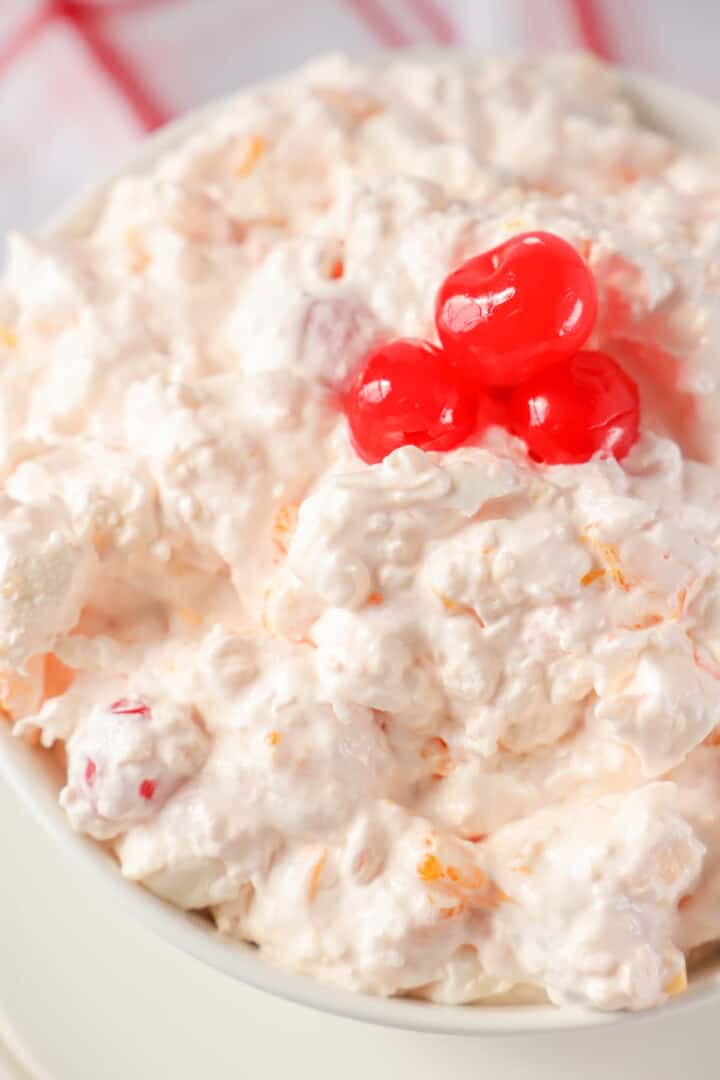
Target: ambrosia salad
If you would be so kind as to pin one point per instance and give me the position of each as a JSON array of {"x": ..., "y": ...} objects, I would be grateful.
[{"x": 360, "y": 529}]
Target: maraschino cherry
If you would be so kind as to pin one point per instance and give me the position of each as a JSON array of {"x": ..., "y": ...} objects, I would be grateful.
[
  {"x": 406, "y": 395},
  {"x": 575, "y": 409},
  {"x": 512, "y": 323},
  {"x": 504, "y": 315}
]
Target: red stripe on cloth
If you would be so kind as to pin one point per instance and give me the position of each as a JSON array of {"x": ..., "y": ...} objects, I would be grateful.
[
  {"x": 149, "y": 113},
  {"x": 439, "y": 25},
  {"x": 380, "y": 22},
  {"x": 592, "y": 29},
  {"x": 23, "y": 34},
  {"x": 119, "y": 7}
]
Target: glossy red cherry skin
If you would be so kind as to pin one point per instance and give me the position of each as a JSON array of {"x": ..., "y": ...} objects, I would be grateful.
[
  {"x": 575, "y": 409},
  {"x": 506, "y": 314},
  {"x": 406, "y": 394}
]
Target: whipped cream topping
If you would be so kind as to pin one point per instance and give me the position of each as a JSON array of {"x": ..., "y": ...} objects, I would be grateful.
[{"x": 443, "y": 726}]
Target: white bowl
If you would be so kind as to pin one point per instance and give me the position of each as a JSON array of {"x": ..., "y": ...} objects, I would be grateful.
[{"x": 37, "y": 779}]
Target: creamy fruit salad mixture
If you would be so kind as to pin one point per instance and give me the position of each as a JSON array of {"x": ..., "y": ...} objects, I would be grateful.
[{"x": 360, "y": 529}]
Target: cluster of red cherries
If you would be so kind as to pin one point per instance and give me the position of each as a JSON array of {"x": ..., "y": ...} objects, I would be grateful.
[{"x": 511, "y": 323}]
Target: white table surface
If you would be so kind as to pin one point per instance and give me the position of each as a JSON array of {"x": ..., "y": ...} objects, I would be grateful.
[{"x": 93, "y": 996}]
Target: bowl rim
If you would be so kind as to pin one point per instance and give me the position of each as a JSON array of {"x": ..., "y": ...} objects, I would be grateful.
[{"x": 673, "y": 111}]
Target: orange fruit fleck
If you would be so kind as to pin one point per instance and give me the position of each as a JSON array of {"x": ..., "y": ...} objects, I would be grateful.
[
  {"x": 454, "y": 608},
  {"x": 498, "y": 896},
  {"x": 676, "y": 985},
  {"x": 430, "y": 869},
  {"x": 32, "y": 736},
  {"x": 256, "y": 147},
  {"x": 190, "y": 617},
  {"x": 450, "y": 605},
  {"x": 651, "y": 619},
  {"x": 450, "y": 912},
  {"x": 139, "y": 255},
  {"x": 473, "y": 878},
  {"x": 315, "y": 875},
  {"x": 434, "y": 745},
  {"x": 57, "y": 677},
  {"x": 592, "y": 575},
  {"x": 680, "y": 606},
  {"x": 283, "y": 526},
  {"x": 609, "y": 556},
  {"x": 360, "y": 108}
]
